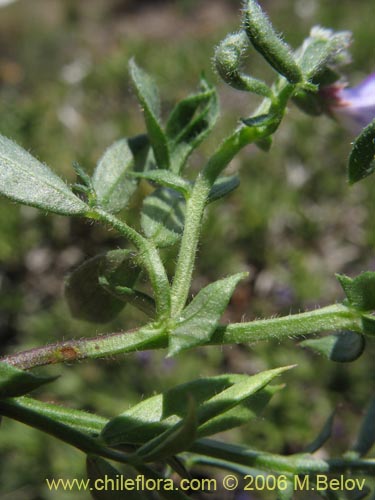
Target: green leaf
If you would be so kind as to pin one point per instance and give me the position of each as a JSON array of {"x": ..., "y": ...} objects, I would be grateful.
[
  {"x": 148, "y": 97},
  {"x": 141, "y": 422},
  {"x": 167, "y": 179},
  {"x": 223, "y": 186},
  {"x": 360, "y": 291},
  {"x": 82, "y": 421},
  {"x": 342, "y": 347},
  {"x": 241, "y": 414},
  {"x": 87, "y": 298},
  {"x": 15, "y": 382},
  {"x": 323, "y": 435},
  {"x": 263, "y": 120},
  {"x": 138, "y": 299},
  {"x": 156, "y": 414},
  {"x": 174, "y": 440},
  {"x": 200, "y": 318},
  {"x": 26, "y": 180},
  {"x": 266, "y": 41},
  {"x": 232, "y": 396},
  {"x": 368, "y": 324},
  {"x": 163, "y": 217},
  {"x": 100, "y": 469},
  {"x": 111, "y": 180},
  {"x": 361, "y": 159},
  {"x": 324, "y": 47},
  {"x": 189, "y": 123},
  {"x": 366, "y": 436}
]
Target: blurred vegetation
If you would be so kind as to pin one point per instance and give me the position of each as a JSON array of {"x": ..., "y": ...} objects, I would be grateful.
[{"x": 293, "y": 223}]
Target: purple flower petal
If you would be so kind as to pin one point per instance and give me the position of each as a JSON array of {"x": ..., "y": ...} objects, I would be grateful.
[{"x": 355, "y": 106}]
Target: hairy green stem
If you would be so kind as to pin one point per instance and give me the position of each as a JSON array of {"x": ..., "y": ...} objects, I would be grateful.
[
  {"x": 150, "y": 258},
  {"x": 294, "y": 464},
  {"x": 195, "y": 209},
  {"x": 90, "y": 348},
  {"x": 330, "y": 318},
  {"x": 34, "y": 418},
  {"x": 196, "y": 204}
]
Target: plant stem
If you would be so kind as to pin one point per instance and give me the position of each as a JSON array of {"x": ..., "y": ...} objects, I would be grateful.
[
  {"x": 66, "y": 424},
  {"x": 228, "y": 149},
  {"x": 32, "y": 417},
  {"x": 89, "y": 348},
  {"x": 149, "y": 257},
  {"x": 303, "y": 463},
  {"x": 195, "y": 208},
  {"x": 185, "y": 263},
  {"x": 330, "y": 318}
]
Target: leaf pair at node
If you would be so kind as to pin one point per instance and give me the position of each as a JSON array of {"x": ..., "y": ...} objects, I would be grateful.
[{"x": 205, "y": 407}]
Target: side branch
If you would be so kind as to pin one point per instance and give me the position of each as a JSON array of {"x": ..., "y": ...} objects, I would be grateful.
[
  {"x": 331, "y": 318},
  {"x": 88, "y": 348}
]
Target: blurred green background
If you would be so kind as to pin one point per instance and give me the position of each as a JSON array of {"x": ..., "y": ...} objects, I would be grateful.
[{"x": 65, "y": 95}]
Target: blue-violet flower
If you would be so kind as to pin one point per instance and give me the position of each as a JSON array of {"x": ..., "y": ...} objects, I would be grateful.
[{"x": 355, "y": 106}]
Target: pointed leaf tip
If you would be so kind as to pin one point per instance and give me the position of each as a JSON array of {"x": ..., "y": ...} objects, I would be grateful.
[
  {"x": 26, "y": 180},
  {"x": 201, "y": 316},
  {"x": 148, "y": 97},
  {"x": 15, "y": 382},
  {"x": 111, "y": 180}
]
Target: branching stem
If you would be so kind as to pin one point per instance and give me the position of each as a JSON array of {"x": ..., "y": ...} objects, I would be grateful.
[
  {"x": 150, "y": 258},
  {"x": 330, "y": 318}
]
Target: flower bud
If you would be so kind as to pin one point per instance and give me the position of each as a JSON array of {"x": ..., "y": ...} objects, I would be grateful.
[
  {"x": 228, "y": 58},
  {"x": 266, "y": 41}
]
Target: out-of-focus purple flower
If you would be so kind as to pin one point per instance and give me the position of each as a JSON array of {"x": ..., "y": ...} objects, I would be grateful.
[{"x": 355, "y": 106}]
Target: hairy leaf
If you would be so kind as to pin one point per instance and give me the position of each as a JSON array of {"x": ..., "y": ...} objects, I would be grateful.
[
  {"x": 342, "y": 347},
  {"x": 174, "y": 440},
  {"x": 200, "y": 318},
  {"x": 87, "y": 298},
  {"x": 158, "y": 413},
  {"x": 148, "y": 97},
  {"x": 190, "y": 122},
  {"x": 167, "y": 179},
  {"x": 25, "y": 179},
  {"x": 321, "y": 50},
  {"x": 163, "y": 217},
  {"x": 111, "y": 180},
  {"x": 239, "y": 415}
]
